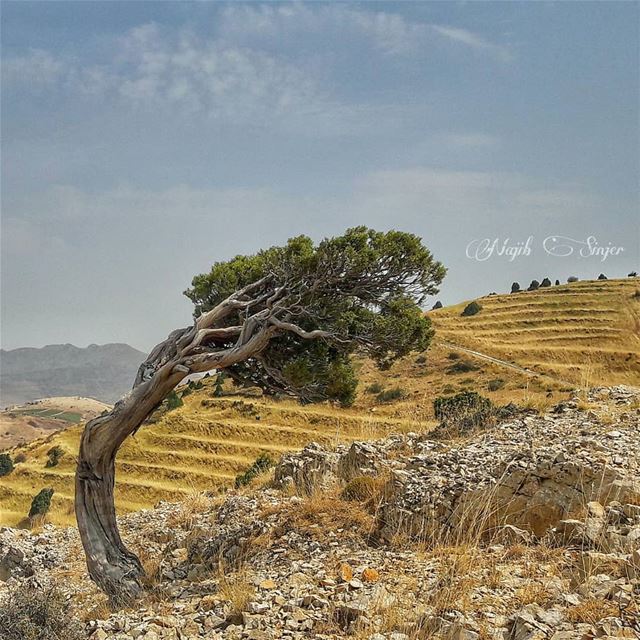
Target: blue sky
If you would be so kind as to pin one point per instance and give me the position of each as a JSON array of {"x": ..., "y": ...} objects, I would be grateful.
[{"x": 142, "y": 141}]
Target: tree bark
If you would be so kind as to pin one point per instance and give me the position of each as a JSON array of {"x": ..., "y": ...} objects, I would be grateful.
[
  {"x": 111, "y": 565},
  {"x": 115, "y": 569}
]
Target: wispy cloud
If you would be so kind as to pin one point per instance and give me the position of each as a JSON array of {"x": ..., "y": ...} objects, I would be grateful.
[{"x": 474, "y": 41}]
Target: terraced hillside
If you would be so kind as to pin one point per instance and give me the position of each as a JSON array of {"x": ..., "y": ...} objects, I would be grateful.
[
  {"x": 205, "y": 443},
  {"x": 581, "y": 334},
  {"x": 586, "y": 333}
]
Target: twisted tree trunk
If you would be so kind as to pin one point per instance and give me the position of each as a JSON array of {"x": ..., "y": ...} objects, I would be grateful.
[{"x": 115, "y": 570}]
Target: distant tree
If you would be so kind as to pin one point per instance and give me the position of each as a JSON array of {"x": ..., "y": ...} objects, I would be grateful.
[
  {"x": 287, "y": 319},
  {"x": 633, "y": 274},
  {"x": 217, "y": 388},
  {"x": 602, "y": 277},
  {"x": 515, "y": 287},
  {"x": 534, "y": 285},
  {"x": 53, "y": 456},
  {"x": 545, "y": 283},
  {"x": 557, "y": 283},
  {"x": 572, "y": 279},
  {"x": 471, "y": 309},
  {"x": 41, "y": 503},
  {"x": 437, "y": 305},
  {"x": 6, "y": 464}
]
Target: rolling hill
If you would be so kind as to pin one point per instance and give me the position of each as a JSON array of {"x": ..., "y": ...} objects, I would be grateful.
[
  {"x": 103, "y": 372},
  {"x": 21, "y": 424},
  {"x": 584, "y": 333},
  {"x": 205, "y": 443}
]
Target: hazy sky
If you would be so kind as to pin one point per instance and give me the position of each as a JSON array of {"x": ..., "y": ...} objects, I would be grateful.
[{"x": 142, "y": 141}]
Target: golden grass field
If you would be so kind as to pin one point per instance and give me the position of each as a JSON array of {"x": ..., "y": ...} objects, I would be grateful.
[{"x": 585, "y": 332}]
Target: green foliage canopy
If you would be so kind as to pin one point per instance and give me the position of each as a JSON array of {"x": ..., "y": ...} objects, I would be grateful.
[{"x": 364, "y": 289}]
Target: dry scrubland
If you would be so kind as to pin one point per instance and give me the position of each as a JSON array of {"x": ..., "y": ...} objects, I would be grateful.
[{"x": 586, "y": 333}]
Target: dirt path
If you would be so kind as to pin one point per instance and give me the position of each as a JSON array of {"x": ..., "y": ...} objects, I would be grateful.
[{"x": 505, "y": 363}]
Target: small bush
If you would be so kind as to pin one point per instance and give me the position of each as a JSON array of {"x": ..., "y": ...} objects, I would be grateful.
[
  {"x": 53, "y": 456},
  {"x": 29, "y": 611},
  {"x": 218, "y": 386},
  {"x": 21, "y": 457},
  {"x": 462, "y": 366},
  {"x": 6, "y": 464},
  {"x": 495, "y": 384},
  {"x": 602, "y": 277},
  {"x": 173, "y": 401},
  {"x": 452, "y": 355},
  {"x": 437, "y": 305},
  {"x": 463, "y": 412},
  {"x": 471, "y": 309},
  {"x": 534, "y": 285},
  {"x": 41, "y": 503},
  {"x": 545, "y": 283},
  {"x": 557, "y": 283},
  {"x": 421, "y": 359},
  {"x": 572, "y": 279},
  {"x": 261, "y": 464},
  {"x": 515, "y": 287},
  {"x": 389, "y": 395},
  {"x": 376, "y": 387},
  {"x": 633, "y": 274},
  {"x": 448, "y": 389}
]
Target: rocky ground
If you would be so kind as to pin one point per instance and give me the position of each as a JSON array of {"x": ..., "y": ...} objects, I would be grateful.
[{"x": 524, "y": 531}]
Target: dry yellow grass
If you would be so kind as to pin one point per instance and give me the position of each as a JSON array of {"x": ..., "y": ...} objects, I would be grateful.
[{"x": 587, "y": 333}]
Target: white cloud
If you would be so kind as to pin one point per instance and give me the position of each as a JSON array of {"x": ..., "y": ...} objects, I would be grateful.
[
  {"x": 474, "y": 41},
  {"x": 36, "y": 69},
  {"x": 390, "y": 33}
]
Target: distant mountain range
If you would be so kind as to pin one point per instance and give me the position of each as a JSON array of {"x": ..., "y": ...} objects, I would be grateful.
[{"x": 104, "y": 372}]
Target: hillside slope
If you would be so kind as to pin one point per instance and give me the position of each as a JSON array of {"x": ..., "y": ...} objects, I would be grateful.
[
  {"x": 104, "y": 372},
  {"x": 23, "y": 423},
  {"x": 204, "y": 444},
  {"x": 586, "y": 333}
]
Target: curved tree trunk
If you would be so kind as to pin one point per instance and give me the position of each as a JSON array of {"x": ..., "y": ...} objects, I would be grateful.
[{"x": 115, "y": 570}]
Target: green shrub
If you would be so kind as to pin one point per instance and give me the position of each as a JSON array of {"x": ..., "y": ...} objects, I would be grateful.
[
  {"x": 515, "y": 287},
  {"x": 29, "y": 611},
  {"x": 174, "y": 401},
  {"x": 21, "y": 457},
  {"x": 389, "y": 395},
  {"x": 41, "y": 503},
  {"x": 495, "y": 384},
  {"x": 53, "y": 456},
  {"x": 261, "y": 464},
  {"x": 376, "y": 387},
  {"x": 463, "y": 412},
  {"x": 6, "y": 464},
  {"x": 545, "y": 282},
  {"x": 462, "y": 366},
  {"x": 602, "y": 277},
  {"x": 186, "y": 392},
  {"x": 437, "y": 305},
  {"x": 472, "y": 308},
  {"x": 572, "y": 279}
]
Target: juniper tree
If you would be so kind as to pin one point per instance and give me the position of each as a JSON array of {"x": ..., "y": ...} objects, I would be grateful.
[{"x": 287, "y": 320}]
